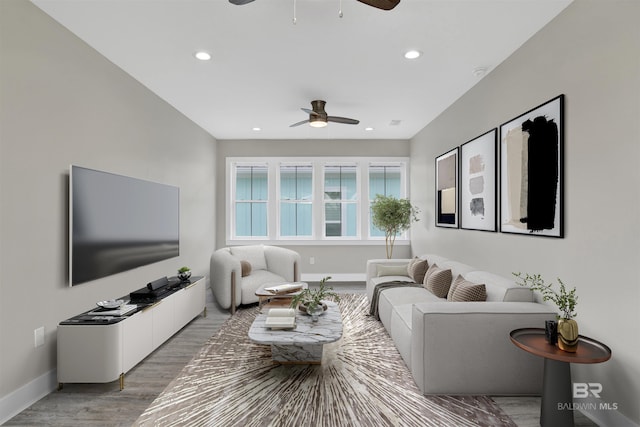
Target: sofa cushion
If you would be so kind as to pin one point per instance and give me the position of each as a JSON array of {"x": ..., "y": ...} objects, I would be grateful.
[
  {"x": 468, "y": 291},
  {"x": 417, "y": 268},
  {"x": 391, "y": 270},
  {"x": 437, "y": 281},
  {"x": 254, "y": 254}
]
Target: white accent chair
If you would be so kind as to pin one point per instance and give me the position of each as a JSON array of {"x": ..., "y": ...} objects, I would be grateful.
[{"x": 269, "y": 264}]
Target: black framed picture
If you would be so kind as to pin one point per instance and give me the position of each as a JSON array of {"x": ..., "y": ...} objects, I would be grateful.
[
  {"x": 447, "y": 189},
  {"x": 478, "y": 183},
  {"x": 531, "y": 171}
]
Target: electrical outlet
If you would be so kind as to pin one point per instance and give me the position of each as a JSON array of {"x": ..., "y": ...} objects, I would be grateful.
[
  {"x": 38, "y": 337},
  {"x": 312, "y": 260}
]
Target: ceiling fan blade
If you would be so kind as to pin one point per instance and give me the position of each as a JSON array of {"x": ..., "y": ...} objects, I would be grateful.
[
  {"x": 308, "y": 111},
  {"x": 344, "y": 120},
  {"x": 240, "y": 2},
  {"x": 380, "y": 4},
  {"x": 299, "y": 123}
]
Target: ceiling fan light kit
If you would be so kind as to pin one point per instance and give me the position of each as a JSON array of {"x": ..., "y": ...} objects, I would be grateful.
[
  {"x": 378, "y": 4},
  {"x": 318, "y": 117}
]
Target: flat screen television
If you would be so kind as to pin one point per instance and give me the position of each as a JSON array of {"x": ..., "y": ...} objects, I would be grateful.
[{"x": 118, "y": 223}]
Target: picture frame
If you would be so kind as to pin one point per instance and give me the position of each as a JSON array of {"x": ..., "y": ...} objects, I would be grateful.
[
  {"x": 447, "y": 189},
  {"x": 478, "y": 183},
  {"x": 532, "y": 172}
]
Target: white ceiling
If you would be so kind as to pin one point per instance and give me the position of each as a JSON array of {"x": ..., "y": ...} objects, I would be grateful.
[{"x": 265, "y": 67}]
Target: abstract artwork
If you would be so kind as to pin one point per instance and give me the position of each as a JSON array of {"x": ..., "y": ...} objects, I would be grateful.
[
  {"x": 478, "y": 183},
  {"x": 531, "y": 173},
  {"x": 447, "y": 189}
]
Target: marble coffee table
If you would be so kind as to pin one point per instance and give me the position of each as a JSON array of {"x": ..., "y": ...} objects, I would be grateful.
[{"x": 304, "y": 343}]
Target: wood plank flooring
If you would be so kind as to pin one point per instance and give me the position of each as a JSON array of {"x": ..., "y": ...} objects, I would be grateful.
[{"x": 85, "y": 405}]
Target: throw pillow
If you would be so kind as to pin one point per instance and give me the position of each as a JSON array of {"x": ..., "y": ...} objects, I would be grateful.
[
  {"x": 245, "y": 267},
  {"x": 392, "y": 270},
  {"x": 416, "y": 269},
  {"x": 438, "y": 281},
  {"x": 453, "y": 287},
  {"x": 468, "y": 291},
  {"x": 252, "y": 253}
]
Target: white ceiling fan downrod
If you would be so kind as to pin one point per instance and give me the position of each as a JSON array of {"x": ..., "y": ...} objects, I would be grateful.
[{"x": 295, "y": 18}]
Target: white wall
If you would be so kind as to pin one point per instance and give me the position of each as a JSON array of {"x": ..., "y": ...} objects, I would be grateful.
[
  {"x": 591, "y": 53},
  {"x": 348, "y": 261},
  {"x": 62, "y": 103}
]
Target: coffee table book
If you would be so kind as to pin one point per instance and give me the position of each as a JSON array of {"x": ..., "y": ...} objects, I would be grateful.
[
  {"x": 285, "y": 288},
  {"x": 281, "y": 318}
]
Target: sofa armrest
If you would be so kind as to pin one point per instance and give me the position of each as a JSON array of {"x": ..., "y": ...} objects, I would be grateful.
[
  {"x": 454, "y": 347},
  {"x": 221, "y": 266},
  {"x": 372, "y": 270},
  {"x": 283, "y": 262}
]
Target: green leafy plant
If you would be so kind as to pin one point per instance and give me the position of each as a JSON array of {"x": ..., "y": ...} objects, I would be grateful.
[
  {"x": 183, "y": 269},
  {"x": 312, "y": 298},
  {"x": 392, "y": 216},
  {"x": 565, "y": 300}
]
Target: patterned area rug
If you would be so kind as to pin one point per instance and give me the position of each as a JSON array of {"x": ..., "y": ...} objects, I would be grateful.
[{"x": 362, "y": 381}]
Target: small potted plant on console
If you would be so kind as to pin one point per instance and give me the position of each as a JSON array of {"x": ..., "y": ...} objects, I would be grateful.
[
  {"x": 310, "y": 300},
  {"x": 566, "y": 302},
  {"x": 184, "y": 273}
]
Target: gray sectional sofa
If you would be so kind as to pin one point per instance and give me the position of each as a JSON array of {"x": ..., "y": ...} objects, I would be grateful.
[{"x": 460, "y": 347}]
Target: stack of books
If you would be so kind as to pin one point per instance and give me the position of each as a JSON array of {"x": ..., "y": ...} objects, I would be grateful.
[
  {"x": 281, "y": 318},
  {"x": 285, "y": 288}
]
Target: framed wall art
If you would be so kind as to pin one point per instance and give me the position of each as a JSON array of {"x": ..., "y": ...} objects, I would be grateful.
[
  {"x": 531, "y": 171},
  {"x": 447, "y": 189},
  {"x": 478, "y": 169}
]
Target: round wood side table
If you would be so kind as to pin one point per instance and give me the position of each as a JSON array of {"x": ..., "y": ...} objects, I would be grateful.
[{"x": 556, "y": 385}]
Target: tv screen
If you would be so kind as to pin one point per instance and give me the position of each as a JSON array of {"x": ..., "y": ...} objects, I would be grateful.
[{"x": 118, "y": 223}]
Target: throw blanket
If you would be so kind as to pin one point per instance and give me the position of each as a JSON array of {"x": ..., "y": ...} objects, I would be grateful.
[{"x": 373, "y": 310}]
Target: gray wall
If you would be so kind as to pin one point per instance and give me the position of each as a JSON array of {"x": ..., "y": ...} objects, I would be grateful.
[
  {"x": 591, "y": 53},
  {"x": 337, "y": 259},
  {"x": 62, "y": 103}
]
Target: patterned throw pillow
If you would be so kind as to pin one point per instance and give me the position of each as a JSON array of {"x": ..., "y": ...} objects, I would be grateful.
[
  {"x": 468, "y": 291},
  {"x": 416, "y": 269},
  {"x": 437, "y": 281}
]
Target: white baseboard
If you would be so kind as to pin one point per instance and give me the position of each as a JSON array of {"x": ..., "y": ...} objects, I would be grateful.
[
  {"x": 20, "y": 399},
  {"x": 344, "y": 277}
]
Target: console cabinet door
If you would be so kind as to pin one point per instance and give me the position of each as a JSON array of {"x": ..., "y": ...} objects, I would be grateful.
[
  {"x": 190, "y": 302},
  {"x": 163, "y": 322},
  {"x": 137, "y": 338}
]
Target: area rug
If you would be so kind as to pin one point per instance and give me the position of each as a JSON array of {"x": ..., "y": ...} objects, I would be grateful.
[{"x": 362, "y": 381}]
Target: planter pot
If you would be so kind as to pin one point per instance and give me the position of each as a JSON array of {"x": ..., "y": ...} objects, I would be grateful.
[
  {"x": 568, "y": 335},
  {"x": 184, "y": 276}
]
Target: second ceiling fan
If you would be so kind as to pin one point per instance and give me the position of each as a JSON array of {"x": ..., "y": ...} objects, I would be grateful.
[
  {"x": 318, "y": 116},
  {"x": 379, "y": 4}
]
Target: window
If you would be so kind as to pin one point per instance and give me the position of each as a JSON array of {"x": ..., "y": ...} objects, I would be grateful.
[
  {"x": 319, "y": 199},
  {"x": 251, "y": 201},
  {"x": 340, "y": 201},
  {"x": 296, "y": 194},
  {"x": 385, "y": 180}
]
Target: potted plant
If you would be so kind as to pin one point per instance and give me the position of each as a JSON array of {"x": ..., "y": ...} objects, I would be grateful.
[
  {"x": 566, "y": 302},
  {"x": 310, "y": 300},
  {"x": 392, "y": 216},
  {"x": 184, "y": 273}
]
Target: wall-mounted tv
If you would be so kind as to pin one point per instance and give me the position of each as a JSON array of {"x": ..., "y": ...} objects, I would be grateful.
[{"x": 118, "y": 223}]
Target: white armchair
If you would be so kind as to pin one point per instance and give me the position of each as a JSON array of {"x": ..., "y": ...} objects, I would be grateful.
[{"x": 268, "y": 264}]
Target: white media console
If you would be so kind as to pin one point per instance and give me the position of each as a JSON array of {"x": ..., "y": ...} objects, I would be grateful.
[{"x": 101, "y": 353}]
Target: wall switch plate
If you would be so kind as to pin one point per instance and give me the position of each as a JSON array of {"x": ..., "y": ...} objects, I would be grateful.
[
  {"x": 38, "y": 337},
  {"x": 312, "y": 260}
]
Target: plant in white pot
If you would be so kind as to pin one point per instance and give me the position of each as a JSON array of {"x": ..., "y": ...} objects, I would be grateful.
[
  {"x": 392, "y": 216},
  {"x": 310, "y": 300},
  {"x": 566, "y": 302}
]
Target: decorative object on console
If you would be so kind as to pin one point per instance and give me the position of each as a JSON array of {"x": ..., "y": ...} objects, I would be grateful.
[
  {"x": 393, "y": 216},
  {"x": 447, "y": 189},
  {"x": 309, "y": 301},
  {"x": 478, "y": 168},
  {"x": 184, "y": 273},
  {"x": 531, "y": 172},
  {"x": 551, "y": 331},
  {"x": 110, "y": 304},
  {"x": 565, "y": 301}
]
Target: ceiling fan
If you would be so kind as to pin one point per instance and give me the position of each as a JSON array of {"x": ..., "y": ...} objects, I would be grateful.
[
  {"x": 318, "y": 117},
  {"x": 380, "y": 4}
]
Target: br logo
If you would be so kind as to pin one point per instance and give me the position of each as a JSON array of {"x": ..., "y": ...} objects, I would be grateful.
[{"x": 583, "y": 390}]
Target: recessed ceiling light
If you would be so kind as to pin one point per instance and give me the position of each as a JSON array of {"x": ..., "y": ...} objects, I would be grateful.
[
  {"x": 479, "y": 71},
  {"x": 369, "y": 129},
  {"x": 202, "y": 55},
  {"x": 412, "y": 54},
  {"x": 257, "y": 129}
]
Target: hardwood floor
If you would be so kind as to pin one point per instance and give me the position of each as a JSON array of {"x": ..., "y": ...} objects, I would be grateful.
[{"x": 104, "y": 405}]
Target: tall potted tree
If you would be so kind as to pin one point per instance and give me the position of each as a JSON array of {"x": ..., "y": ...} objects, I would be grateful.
[{"x": 392, "y": 216}]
